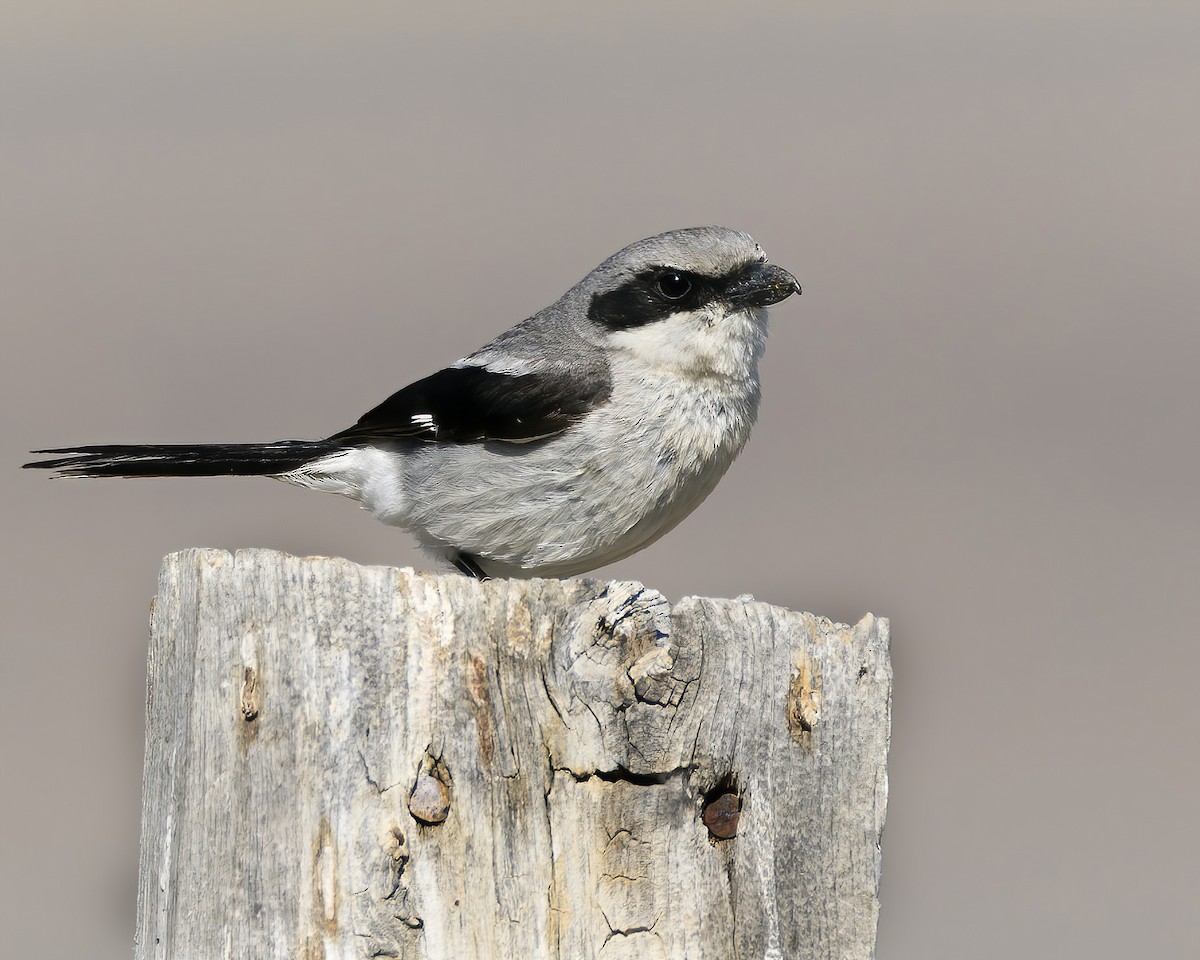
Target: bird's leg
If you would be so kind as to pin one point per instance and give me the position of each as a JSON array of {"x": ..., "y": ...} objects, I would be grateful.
[{"x": 469, "y": 565}]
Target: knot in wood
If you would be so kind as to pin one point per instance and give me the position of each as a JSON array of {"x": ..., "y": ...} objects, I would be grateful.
[
  {"x": 250, "y": 694},
  {"x": 651, "y": 677},
  {"x": 804, "y": 701}
]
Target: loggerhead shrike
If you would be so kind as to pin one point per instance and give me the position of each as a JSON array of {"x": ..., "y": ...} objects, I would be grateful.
[{"x": 572, "y": 440}]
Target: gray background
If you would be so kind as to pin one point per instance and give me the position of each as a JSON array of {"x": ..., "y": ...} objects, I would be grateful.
[{"x": 231, "y": 221}]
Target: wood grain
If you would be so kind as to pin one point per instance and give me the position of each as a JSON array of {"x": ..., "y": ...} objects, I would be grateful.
[{"x": 347, "y": 761}]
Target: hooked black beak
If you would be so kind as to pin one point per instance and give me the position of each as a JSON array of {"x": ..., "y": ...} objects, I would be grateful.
[{"x": 760, "y": 285}]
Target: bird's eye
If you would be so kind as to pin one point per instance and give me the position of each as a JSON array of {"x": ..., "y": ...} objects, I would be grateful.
[{"x": 673, "y": 285}]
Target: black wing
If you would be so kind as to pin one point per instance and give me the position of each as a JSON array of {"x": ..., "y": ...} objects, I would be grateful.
[{"x": 469, "y": 404}]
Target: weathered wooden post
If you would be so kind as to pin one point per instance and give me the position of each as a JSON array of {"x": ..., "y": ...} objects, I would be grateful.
[{"x": 347, "y": 761}]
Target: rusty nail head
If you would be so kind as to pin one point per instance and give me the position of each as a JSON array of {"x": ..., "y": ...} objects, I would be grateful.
[
  {"x": 430, "y": 800},
  {"x": 721, "y": 815}
]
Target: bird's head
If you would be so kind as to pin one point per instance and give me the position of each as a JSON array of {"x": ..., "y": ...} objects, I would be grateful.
[{"x": 690, "y": 300}]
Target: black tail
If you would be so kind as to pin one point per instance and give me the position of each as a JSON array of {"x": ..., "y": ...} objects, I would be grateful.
[{"x": 185, "y": 460}]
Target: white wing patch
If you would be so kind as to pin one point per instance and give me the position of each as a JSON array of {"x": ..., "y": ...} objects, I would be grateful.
[{"x": 510, "y": 366}]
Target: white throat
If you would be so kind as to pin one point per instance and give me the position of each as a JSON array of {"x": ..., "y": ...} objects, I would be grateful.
[{"x": 705, "y": 344}]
